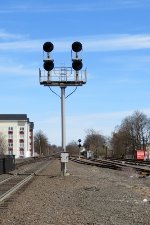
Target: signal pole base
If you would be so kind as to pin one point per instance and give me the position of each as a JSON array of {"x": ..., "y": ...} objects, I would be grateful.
[{"x": 63, "y": 170}]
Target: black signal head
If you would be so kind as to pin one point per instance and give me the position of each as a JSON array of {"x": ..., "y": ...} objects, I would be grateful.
[
  {"x": 76, "y": 46},
  {"x": 48, "y": 65},
  {"x": 48, "y": 46},
  {"x": 77, "y": 64}
]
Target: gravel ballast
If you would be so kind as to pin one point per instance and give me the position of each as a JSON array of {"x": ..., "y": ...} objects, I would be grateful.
[{"x": 88, "y": 196}]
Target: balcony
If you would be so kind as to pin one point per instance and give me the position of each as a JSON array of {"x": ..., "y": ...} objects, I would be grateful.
[
  {"x": 10, "y": 132},
  {"x": 21, "y": 132}
]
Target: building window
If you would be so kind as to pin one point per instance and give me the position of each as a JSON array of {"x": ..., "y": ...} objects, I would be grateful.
[
  {"x": 10, "y": 144},
  {"x": 10, "y": 130},
  {"x": 21, "y": 145},
  {"x": 21, "y": 130},
  {"x": 10, "y": 136},
  {"x": 10, "y": 151},
  {"x": 21, "y": 136},
  {"x": 21, "y": 152}
]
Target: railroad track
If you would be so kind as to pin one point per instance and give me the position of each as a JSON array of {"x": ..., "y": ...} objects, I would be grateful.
[
  {"x": 97, "y": 163},
  {"x": 145, "y": 169},
  {"x": 13, "y": 183},
  {"x": 132, "y": 162},
  {"x": 22, "y": 162}
]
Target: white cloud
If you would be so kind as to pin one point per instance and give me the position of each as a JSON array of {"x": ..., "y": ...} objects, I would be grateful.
[
  {"x": 84, "y": 6},
  {"x": 10, "y": 36},
  {"x": 90, "y": 43},
  {"x": 18, "y": 70},
  {"x": 118, "y": 43},
  {"x": 30, "y": 45}
]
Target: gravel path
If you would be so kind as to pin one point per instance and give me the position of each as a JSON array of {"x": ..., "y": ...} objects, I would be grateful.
[{"x": 89, "y": 196}]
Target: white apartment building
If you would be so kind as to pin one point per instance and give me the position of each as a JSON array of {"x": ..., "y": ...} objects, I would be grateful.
[{"x": 17, "y": 131}]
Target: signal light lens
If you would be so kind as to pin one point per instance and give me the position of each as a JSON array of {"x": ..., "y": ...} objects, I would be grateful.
[
  {"x": 48, "y": 46},
  {"x": 77, "y": 64},
  {"x": 76, "y": 46},
  {"x": 48, "y": 65}
]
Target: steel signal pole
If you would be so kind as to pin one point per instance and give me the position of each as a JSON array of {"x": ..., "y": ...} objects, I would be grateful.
[{"x": 63, "y": 128}]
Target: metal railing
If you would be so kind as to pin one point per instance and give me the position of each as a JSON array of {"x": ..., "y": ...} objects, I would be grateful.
[{"x": 62, "y": 76}]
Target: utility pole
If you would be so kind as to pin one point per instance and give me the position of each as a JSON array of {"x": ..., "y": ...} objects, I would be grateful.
[{"x": 63, "y": 77}]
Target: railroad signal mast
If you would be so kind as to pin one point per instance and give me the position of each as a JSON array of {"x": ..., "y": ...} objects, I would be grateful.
[{"x": 63, "y": 77}]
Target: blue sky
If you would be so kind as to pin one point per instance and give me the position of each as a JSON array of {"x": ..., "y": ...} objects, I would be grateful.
[{"x": 115, "y": 35}]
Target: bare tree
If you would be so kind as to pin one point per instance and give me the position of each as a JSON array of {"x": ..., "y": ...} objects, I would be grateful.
[
  {"x": 72, "y": 148},
  {"x": 132, "y": 134},
  {"x": 41, "y": 143},
  {"x": 96, "y": 142},
  {"x": 3, "y": 145},
  {"x": 118, "y": 143},
  {"x": 54, "y": 149}
]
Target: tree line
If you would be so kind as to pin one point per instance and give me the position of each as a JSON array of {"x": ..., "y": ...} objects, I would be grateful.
[{"x": 133, "y": 133}]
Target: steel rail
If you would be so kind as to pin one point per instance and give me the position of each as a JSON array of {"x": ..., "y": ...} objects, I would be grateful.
[
  {"x": 21, "y": 184},
  {"x": 15, "y": 188},
  {"x": 111, "y": 165},
  {"x": 15, "y": 175},
  {"x": 5, "y": 180}
]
